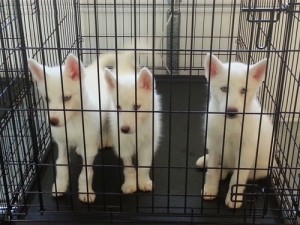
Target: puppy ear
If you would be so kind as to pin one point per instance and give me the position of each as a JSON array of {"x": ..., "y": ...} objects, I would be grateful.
[
  {"x": 145, "y": 79},
  {"x": 213, "y": 66},
  {"x": 36, "y": 70},
  {"x": 110, "y": 79},
  {"x": 73, "y": 68},
  {"x": 258, "y": 70}
]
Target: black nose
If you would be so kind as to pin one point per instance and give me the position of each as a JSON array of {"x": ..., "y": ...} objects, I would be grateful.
[
  {"x": 125, "y": 129},
  {"x": 54, "y": 121},
  {"x": 231, "y": 113}
]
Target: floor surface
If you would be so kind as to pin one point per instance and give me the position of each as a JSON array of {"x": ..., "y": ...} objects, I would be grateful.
[{"x": 177, "y": 193}]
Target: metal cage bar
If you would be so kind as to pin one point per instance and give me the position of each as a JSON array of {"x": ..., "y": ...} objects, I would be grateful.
[{"x": 178, "y": 35}]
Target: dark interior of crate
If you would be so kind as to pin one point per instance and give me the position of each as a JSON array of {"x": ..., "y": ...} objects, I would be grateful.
[
  {"x": 10, "y": 93},
  {"x": 177, "y": 194}
]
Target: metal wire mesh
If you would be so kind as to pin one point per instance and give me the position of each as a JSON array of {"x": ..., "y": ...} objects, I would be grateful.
[{"x": 178, "y": 35}]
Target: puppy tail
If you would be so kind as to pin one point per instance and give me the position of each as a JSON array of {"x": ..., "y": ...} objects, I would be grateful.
[
  {"x": 131, "y": 57},
  {"x": 126, "y": 61},
  {"x": 143, "y": 51},
  {"x": 107, "y": 60}
]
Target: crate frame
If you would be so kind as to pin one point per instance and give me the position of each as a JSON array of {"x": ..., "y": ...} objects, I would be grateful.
[{"x": 16, "y": 47}]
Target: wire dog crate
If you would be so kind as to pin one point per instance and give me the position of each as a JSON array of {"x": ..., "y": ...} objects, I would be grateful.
[{"x": 179, "y": 34}]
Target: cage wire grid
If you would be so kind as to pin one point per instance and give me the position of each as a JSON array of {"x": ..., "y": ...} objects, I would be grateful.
[{"x": 179, "y": 35}]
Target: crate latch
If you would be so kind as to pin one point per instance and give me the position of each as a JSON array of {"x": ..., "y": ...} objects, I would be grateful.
[{"x": 264, "y": 14}]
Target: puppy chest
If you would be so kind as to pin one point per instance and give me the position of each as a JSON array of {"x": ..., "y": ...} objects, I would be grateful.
[{"x": 71, "y": 134}]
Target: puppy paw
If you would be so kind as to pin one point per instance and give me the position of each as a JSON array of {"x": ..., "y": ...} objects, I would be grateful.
[
  {"x": 209, "y": 192},
  {"x": 59, "y": 189},
  {"x": 87, "y": 198},
  {"x": 146, "y": 185},
  {"x": 200, "y": 162},
  {"x": 203, "y": 160},
  {"x": 236, "y": 203},
  {"x": 129, "y": 187}
]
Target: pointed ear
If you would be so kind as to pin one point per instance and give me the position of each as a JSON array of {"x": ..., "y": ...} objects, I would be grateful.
[
  {"x": 145, "y": 79},
  {"x": 36, "y": 70},
  {"x": 73, "y": 68},
  {"x": 213, "y": 66},
  {"x": 110, "y": 79},
  {"x": 258, "y": 70}
]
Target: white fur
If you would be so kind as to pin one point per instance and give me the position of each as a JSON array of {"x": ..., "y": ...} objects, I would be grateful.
[
  {"x": 74, "y": 122},
  {"x": 250, "y": 156},
  {"x": 134, "y": 132}
]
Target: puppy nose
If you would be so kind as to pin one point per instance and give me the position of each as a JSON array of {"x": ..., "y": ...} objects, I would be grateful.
[
  {"x": 231, "y": 112},
  {"x": 54, "y": 121},
  {"x": 125, "y": 129}
]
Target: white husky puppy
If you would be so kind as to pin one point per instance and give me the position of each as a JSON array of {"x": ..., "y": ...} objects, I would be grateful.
[
  {"x": 66, "y": 96},
  {"x": 245, "y": 142},
  {"x": 134, "y": 122}
]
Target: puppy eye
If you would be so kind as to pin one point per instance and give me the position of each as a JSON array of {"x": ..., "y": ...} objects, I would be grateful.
[
  {"x": 118, "y": 107},
  {"x": 67, "y": 98},
  {"x": 243, "y": 91},
  {"x": 136, "y": 107},
  {"x": 224, "y": 89}
]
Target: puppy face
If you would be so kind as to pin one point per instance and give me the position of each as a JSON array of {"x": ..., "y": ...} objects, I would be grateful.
[
  {"x": 61, "y": 93},
  {"x": 131, "y": 98},
  {"x": 230, "y": 85}
]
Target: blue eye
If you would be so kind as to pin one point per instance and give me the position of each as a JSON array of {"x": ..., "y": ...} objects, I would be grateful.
[
  {"x": 67, "y": 98},
  {"x": 243, "y": 91},
  {"x": 224, "y": 89}
]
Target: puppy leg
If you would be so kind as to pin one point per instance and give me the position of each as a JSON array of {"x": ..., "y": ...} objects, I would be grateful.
[
  {"x": 129, "y": 185},
  {"x": 105, "y": 139},
  {"x": 144, "y": 163},
  {"x": 62, "y": 172},
  {"x": 203, "y": 160},
  {"x": 239, "y": 178},
  {"x": 85, "y": 181},
  {"x": 212, "y": 178},
  {"x": 224, "y": 174},
  {"x": 259, "y": 174}
]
